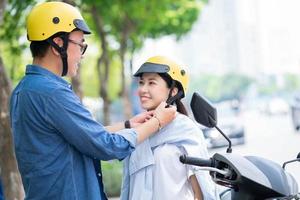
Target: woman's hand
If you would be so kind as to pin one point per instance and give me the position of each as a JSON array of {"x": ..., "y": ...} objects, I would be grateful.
[{"x": 164, "y": 115}]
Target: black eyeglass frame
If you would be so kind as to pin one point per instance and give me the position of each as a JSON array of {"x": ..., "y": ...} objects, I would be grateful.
[{"x": 83, "y": 46}]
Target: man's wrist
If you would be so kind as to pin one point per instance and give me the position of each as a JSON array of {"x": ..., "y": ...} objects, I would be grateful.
[{"x": 127, "y": 124}]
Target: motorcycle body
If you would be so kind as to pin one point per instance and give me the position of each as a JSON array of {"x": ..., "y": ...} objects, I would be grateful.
[
  {"x": 252, "y": 177},
  {"x": 247, "y": 177}
]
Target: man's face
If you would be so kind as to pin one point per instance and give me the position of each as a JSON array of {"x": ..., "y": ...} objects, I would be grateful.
[{"x": 76, "y": 48}]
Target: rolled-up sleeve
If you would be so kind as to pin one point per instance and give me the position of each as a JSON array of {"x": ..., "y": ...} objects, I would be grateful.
[
  {"x": 73, "y": 121},
  {"x": 130, "y": 136}
]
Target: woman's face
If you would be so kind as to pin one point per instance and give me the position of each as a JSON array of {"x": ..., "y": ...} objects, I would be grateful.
[{"x": 152, "y": 90}]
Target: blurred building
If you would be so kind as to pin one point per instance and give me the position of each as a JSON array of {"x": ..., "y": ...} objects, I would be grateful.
[{"x": 248, "y": 36}]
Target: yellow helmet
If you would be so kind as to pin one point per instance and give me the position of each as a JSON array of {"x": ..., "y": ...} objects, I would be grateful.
[
  {"x": 161, "y": 64},
  {"x": 49, "y": 18}
]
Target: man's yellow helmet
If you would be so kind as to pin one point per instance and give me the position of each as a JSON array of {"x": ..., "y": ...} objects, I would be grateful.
[
  {"x": 49, "y": 18},
  {"x": 161, "y": 64}
]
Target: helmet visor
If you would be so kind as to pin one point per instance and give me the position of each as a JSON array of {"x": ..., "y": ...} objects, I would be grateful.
[
  {"x": 81, "y": 25},
  {"x": 152, "y": 68}
]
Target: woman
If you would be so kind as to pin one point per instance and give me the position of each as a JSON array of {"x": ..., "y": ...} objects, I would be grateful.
[{"x": 153, "y": 170}]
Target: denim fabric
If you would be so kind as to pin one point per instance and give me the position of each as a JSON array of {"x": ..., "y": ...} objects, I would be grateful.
[{"x": 56, "y": 139}]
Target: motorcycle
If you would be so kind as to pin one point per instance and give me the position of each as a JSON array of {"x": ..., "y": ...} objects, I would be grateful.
[{"x": 246, "y": 177}]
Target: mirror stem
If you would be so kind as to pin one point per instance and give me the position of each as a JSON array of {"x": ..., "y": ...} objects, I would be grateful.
[
  {"x": 283, "y": 166},
  {"x": 229, "y": 150}
]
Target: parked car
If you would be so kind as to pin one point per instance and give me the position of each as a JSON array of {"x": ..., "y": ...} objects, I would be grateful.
[
  {"x": 229, "y": 122},
  {"x": 295, "y": 112},
  {"x": 277, "y": 106}
]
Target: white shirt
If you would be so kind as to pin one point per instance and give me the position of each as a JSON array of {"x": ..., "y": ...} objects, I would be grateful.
[
  {"x": 153, "y": 171},
  {"x": 170, "y": 176}
]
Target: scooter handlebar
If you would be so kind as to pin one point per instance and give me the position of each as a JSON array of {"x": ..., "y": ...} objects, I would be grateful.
[{"x": 196, "y": 161}]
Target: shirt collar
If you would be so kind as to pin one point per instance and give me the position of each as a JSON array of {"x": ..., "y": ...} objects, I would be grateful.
[{"x": 36, "y": 69}]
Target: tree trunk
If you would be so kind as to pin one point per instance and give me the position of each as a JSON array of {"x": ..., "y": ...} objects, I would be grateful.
[
  {"x": 103, "y": 89},
  {"x": 76, "y": 85},
  {"x": 124, "y": 88},
  {"x": 103, "y": 65},
  {"x": 2, "y": 9},
  {"x": 69, "y": 2},
  {"x": 12, "y": 184},
  {"x": 10, "y": 176},
  {"x": 76, "y": 81}
]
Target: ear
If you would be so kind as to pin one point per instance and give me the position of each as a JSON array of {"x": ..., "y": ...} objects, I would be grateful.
[
  {"x": 59, "y": 42},
  {"x": 174, "y": 91}
]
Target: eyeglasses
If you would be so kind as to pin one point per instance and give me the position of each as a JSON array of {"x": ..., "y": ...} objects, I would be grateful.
[{"x": 83, "y": 47}]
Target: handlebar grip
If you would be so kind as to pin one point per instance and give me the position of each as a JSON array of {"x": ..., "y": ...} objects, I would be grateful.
[{"x": 196, "y": 161}]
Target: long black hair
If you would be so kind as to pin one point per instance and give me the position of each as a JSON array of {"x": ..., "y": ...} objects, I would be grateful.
[{"x": 172, "y": 84}]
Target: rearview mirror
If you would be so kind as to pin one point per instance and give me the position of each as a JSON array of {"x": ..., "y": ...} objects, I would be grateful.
[
  {"x": 204, "y": 113},
  {"x": 290, "y": 161}
]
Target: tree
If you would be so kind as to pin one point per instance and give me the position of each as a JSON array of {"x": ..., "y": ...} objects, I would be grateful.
[
  {"x": 128, "y": 24},
  {"x": 103, "y": 60},
  {"x": 12, "y": 13},
  {"x": 76, "y": 81},
  {"x": 9, "y": 171},
  {"x": 156, "y": 19}
]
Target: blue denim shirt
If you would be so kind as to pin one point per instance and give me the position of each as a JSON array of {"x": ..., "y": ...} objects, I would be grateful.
[
  {"x": 56, "y": 139},
  {"x": 1, "y": 191}
]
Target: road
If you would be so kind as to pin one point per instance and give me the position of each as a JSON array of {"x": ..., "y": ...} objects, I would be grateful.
[{"x": 272, "y": 137}]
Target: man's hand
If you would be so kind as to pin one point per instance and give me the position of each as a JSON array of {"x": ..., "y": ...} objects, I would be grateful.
[{"x": 140, "y": 118}]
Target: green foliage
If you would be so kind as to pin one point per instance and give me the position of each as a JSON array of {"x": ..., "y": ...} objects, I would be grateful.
[
  {"x": 268, "y": 87},
  {"x": 90, "y": 81},
  {"x": 140, "y": 19},
  {"x": 112, "y": 177},
  {"x": 292, "y": 82},
  {"x": 218, "y": 88},
  {"x": 280, "y": 84},
  {"x": 14, "y": 20},
  {"x": 89, "y": 77},
  {"x": 128, "y": 23},
  {"x": 114, "y": 81},
  {"x": 231, "y": 86},
  {"x": 234, "y": 86},
  {"x": 13, "y": 36}
]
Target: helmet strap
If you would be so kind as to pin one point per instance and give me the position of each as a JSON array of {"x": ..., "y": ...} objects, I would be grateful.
[
  {"x": 172, "y": 99},
  {"x": 62, "y": 51},
  {"x": 171, "y": 89}
]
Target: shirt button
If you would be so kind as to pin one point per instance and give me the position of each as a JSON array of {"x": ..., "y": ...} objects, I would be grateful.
[{"x": 99, "y": 174}]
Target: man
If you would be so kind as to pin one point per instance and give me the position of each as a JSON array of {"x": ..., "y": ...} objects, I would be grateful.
[
  {"x": 1, "y": 191},
  {"x": 56, "y": 140}
]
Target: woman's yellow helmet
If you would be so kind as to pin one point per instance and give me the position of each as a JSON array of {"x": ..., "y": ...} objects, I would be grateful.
[
  {"x": 161, "y": 64},
  {"x": 49, "y": 18}
]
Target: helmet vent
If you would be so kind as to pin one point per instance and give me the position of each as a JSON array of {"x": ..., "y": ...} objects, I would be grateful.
[
  {"x": 55, "y": 20},
  {"x": 182, "y": 72}
]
